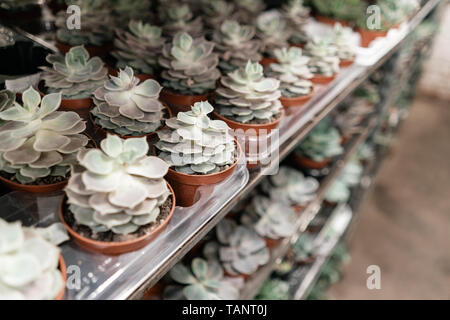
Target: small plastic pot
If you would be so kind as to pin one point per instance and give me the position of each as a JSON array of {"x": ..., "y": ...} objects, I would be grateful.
[
  {"x": 346, "y": 63},
  {"x": 321, "y": 79},
  {"x": 296, "y": 101},
  {"x": 181, "y": 103},
  {"x": 115, "y": 248},
  {"x": 367, "y": 36},
  {"x": 331, "y": 21},
  {"x": 62, "y": 268},
  {"x": 186, "y": 185},
  {"x": 250, "y": 128},
  {"x": 305, "y": 162},
  {"x": 99, "y": 51},
  {"x": 265, "y": 61}
]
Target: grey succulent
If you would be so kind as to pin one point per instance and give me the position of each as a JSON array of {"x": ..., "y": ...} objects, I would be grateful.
[
  {"x": 365, "y": 152},
  {"x": 350, "y": 117},
  {"x": 270, "y": 219},
  {"x": 248, "y": 10},
  {"x": 203, "y": 281},
  {"x": 127, "y": 107},
  {"x": 236, "y": 45},
  {"x": 178, "y": 17},
  {"x": 36, "y": 141},
  {"x": 240, "y": 250},
  {"x": 296, "y": 15},
  {"x": 274, "y": 289},
  {"x": 117, "y": 188},
  {"x": 139, "y": 47},
  {"x": 195, "y": 144},
  {"x": 97, "y": 24},
  {"x": 216, "y": 12},
  {"x": 272, "y": 29},
  {"x": 292, "y": 71},
  {"x": 29, "y": 262},
  {"x": 246, "y": 96},
  {"x": 303, "y": 249},
  {"x": 190, "y": 66},
  {"x": 342, "y": 39},
  {"x": 7, "y": 37},
  {"x": 324, "y": 57},
  {"x": 338, "y": 192},
  {"x": 290, "y": 187},
  {"x": 74, "y": 74},
  {"x": 7, "y": 99}
]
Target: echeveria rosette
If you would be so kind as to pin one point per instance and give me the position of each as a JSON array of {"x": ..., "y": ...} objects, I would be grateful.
[
  {"x": 215, "y": 12},
  {"x": 293, "y": 72},
  {"x": 270, "y": 219},
  {"x": 271, "y": 29},
  {"x": 179, "y": 18},
  {"x": 97, "y": 24},
  {"x": 248, "y": 10},
  {"x": 29, "y": 263},
  {"x": 36, "y": 141},
  {"x": 126, "y": 10},
  {"x": 74, "y": 74},
  {"x": 342, "y": 39},
  {"x": 139, "y": 47},
  {"x": 204, "y": 280},
  {"x": 236, "y": 45},
  {"x": 324, "y": 57},
  {"x": 7, "y": 99},
  {"x": 117, "y": 188},
  {"x": 274, "y": 289},
  {"x": 339, "y": 192},
  {"x": 195, "y": 144},
  {"x": 322, "y": 143},
  {"x": 291, "y": 187},
  {"x": 296, "y": 15},
  {"x": 189, "y": 65},
  {"x": 246, "y": 96},
  {"x": 127, "y": 107}
]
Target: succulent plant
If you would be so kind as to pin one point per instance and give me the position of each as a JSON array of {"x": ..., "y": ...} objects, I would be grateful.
[
  {"x": 195, "y": 144},
  {"x": 345, "y": 10},
  {"x": 365, "y": 152},
  {"x": 117, "y": 188},
  {"x": 7, "y": 99},
  {"x": 351, "y": 174},
  {"x": 324, "y": 60},
  {"x": 97, "y": 24},
  {"x": 74, "y": 74},
  {"x": 292, "y": 71},
  {"x": 247, "y": 10},
  {"x": 29, "y": 260},
  {"x": 395, "y": 11},
  {"x": 37, "y": 141},
  {"x": 272, "y": 29},
  {"x": 240, "y": 250},
  {"x": 342, "y": 39},
  {"x": 246, "y": 96},
  {"x": 203, "y": 281},
  {"x": 322, "y": 143},
  {"x": 350, "y": 117},
  {"x": 290, "y": 187},
  {"x": 7, "y": 37},
  {"x": 216, "y": 12},
  {"x": 338, "y": 192},
  {"x": 274, "y": 289},
  {"x": 296, "y": 15},
  {"x": 177, "y": 18},
  {"x": 127, "y": 10},
  {"x": 270, "y": 219},
  {"x": 303, "y": 248},
  {"x": 139, "y": 47},
  {"x": 127, "y": 107},
  {"x": 15, "y": 5},
  {"x": 236, "y": 45},
  {"x": 190, "y": 66}
]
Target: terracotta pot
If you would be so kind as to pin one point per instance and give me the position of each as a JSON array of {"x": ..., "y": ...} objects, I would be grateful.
[
  {"x": 310, "y": 164},
  {"x": 33, "y": 188},
  {"x": 367, "y": 36},
  {"x": 115, "y": 248},
  {"x": 254, "y": 129},
  {"x": 306, "y": 261},
  {"x": 186, "y": 185},
  {"x": 180, "y": 102},
  {"x": 346, "y": 63},
  {"x": 320, "y": 79},
  {"x": 241, "y": 275},
  {"x": 62, "y": 268},
  {"x": 101, "y": 133},
  {"x": 296, "y": 101},
  {"x": 265, "y": 61},
  {"x": 345, "y": 139},
  {"x": 272, "y": 243},
  {"x": 99, "y": 51},
  {"x": 331, "y": 21},
  {"x": 155, "y": 292},
  {"x": 299, "y": 208}
]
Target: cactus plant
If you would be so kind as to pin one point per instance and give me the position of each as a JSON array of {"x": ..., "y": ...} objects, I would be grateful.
[
  {"x": 29, "y": 260},
  {"x": 117, "y": 189},
  {"x": 324, "y": 60},
  {"x": 342, "y": 40},
  {"x": 271, "y": 28},
  {"x": 178, "y": 18},
  {"x": 203, "y": 281},
  {"x": 75, "y": 75},
  {"x": 236, "y": 45},
  {"x": 270, "y": 219},
  {"x": 296, "y": 15},
  {"x": 194, "y": 144},
  {"x": 190, "y": 66},
  {"x": 246, "y": 96},
  {"x": 292, "y": 71},
  {"x": 97, "y": 24},
  {"x": 139, "y": 47},
  {"x": 37, "y": 141},
  {"x": 290, "y": 187},
  {"x": 127, "y": 107},
  {"x": 274, "y": 289}
]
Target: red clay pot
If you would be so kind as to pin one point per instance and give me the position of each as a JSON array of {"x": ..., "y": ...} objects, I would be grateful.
[
  {"x": 241, "y": 275},
  {"x": 115, "y": 248},
  {"x": 331, "y": 21},
  {"x": 186, "y": 185},
  {"x": 99, "y": 51},
  {"x": 180, "y": 102},
  {"x": 299, "y": 208},
  {"x": 272, "y": 243},
  {"x": 346, "y": 63},
  {"x": 305, "y": 162},
  {"x": 296, "y": 101},
  {"x": 155, "y": 292},
  {"x": 62, "y": 268},
  {"x": 306, "y": 261},
  {"x": 265, "y": 61},
  {"x": 320, "y": 79},
  {"x": 254, "y": 129},
  {"x": 367, "y": 36}
]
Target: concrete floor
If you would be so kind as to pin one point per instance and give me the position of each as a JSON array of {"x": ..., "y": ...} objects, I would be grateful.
[{"x": 405, "y": 220}]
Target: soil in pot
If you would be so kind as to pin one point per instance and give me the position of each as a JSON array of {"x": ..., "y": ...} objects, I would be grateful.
[
  {"x": 305, "y": 162},
  {"x": 182, "y": 103},
  {"x": 367, "y": 36},
  {"x": 99, "y": 51}
]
